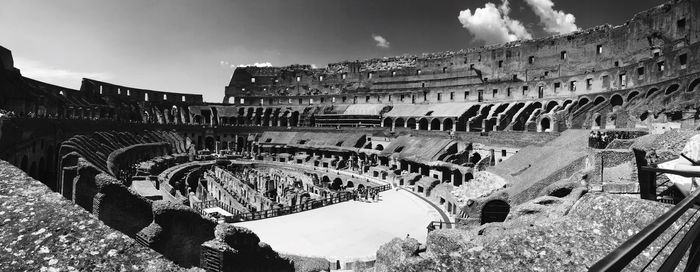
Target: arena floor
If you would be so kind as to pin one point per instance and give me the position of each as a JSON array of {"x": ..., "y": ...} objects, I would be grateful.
[{"x": 349, "y": 231}]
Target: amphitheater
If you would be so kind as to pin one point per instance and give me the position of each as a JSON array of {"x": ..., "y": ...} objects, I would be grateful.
[{"x": 554, "y": 154}]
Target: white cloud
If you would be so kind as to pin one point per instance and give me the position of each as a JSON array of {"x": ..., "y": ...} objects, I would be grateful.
[
  {"x": 381, "y": 41},
  {"x": 492, "y": 24},
  {"x": 257, "y": 64},
  {"x": 554, "y": 21},
  {"x": 42, "y": 72}
]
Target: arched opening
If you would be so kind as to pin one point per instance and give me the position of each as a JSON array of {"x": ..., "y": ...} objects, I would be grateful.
[
  {"x": 423, "y": 124},
  {"x": 650, "y": 92},
  {"x": 561, "y": 192},
  {"x": 644, "y": 116},
  {"x": 616, "y": 100},
  {"x": 435, "y": 124},
  {"x": 632, "y": 95},
  {"x": 337, "y": 184},
  {"x": 597, "y": 120},
  {"x": 379, "y": 147},
  {"x": 475, "y": 158},
  {"x": 693, "y": 84},
  {"x": 457, "y": 178},
  {"x": 325, "y": 179},
  {"x": 231, "y": 100},
  {"x": 209, "y": 143},
  {"x": 494, "y": 211},
  {"x": 411, "y": 123},
  {"x": 350, "y": 184},
  {"x": 551, "y": 106},
  {"x": 387, "y": 122},
  {"x": 583, "y": 101},
  {"x": 468, "y": 177},
  {"x": 598, "y": 100},
  {"x": 545, "y": 124},
  {"x": 672, "y": 89},
  {"x": 399, "y": 123},
  {"x": 447, "y": 124},
  {"x": 294, "y": 121}
]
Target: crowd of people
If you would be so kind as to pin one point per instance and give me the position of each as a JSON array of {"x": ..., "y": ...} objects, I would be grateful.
[{"x": 600, "y": 139}]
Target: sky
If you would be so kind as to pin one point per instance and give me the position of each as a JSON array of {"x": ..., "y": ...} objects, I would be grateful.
[{"x": 190, "y": 46}]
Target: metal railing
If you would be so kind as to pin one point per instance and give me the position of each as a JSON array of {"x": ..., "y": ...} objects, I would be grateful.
[
  {"x": 437, "y": 225},
  {"x": 629, "y": 250}
]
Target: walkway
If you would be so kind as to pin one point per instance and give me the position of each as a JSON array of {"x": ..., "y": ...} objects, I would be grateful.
[{"x": 348, "y": 231}]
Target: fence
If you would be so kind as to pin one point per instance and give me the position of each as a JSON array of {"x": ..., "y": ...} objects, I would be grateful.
[
  {"x": 436, "y": 225},
  {"x": 629, "y": 250}
]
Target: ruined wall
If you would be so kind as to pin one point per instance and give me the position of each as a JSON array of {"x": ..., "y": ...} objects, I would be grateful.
[{"x": 596, "y": 60}]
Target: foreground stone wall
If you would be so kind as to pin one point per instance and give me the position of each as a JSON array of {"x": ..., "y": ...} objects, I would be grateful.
[
  {"x": 41, "y": 230},
  {"x": 568, "y": 233}
]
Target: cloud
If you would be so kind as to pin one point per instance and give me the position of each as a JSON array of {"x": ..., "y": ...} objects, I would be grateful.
[
  {"x": 492, "y": 24},
  {"x": 257, "y": 64},
  {"x": 381, "y": 41},
  {"x": 554, "y": 21},
  {"x": 42, "y": 72}
]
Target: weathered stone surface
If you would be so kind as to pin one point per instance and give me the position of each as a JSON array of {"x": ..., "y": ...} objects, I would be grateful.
[
  {"x": 553, "y": 241},
  {"x": 395, "y": 252},
  {"x": 42, "y": 231}
]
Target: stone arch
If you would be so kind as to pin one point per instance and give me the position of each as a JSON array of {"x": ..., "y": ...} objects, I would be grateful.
[
  {"x": 435, "y": 124},
  {"x": 583, "y": 101},
  {"x": 598, "y": 100},
  {"x": 350, "y": 184},
  {"x": 325, "y": 179},
  {"x": 672, "y": 88},
  {"x": 632, "y": 95},
  {"x": 693, "y": 84},
  {"x": 494, "y": 211},
  {"x": 650, "y": 92},
  {"x": 616, "y": 100},
  {"x": 231, "y": 100},
  {"x": 457, "y": 178},
  {"x": 411, "y": 123},
  {"x": 644, "y": 116},
  {"x": 551, "y": 105},
  {"x": 337, "y": 184},
  {"x": 447, "y": 124},
  {"x": 379, "y": 147},
  {"x": 209, "y": 143},
  {"x": 423, "y": 124},
  {"x": 545, "y": 124},
  {"x": 475, "y": 158},
  {"x": 468, "y": 177},
  {"x": 294, "y": 120},
  {"x": 387, "y": 122},
  {"x": 399, "y": 122}
]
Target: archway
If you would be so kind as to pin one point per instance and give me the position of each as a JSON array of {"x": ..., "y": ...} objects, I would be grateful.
[
  {"x": 399, "y": 123},
  {"x": 583, "y": 101},
  {"x": 294, "y": 121},
  {"x": 435, "y": 124},
  {"x": 379, "y": 147},
  {"x": 672, "y": 89},
  {"x": 411, "y": 123},
  {"x": 545, "y": 124},
  {"x": 693, "y": 84},
  {"x": 551, "y": 106},
  {"x": 325, "y": 179},
  {"x": 475, "y": 158},
  {"x": 632, "y": 95},
  {"x": 494, "y": 211},
  {"x": 423, "y": 124},
  {"x": 447, "y": 124},
  {"x": 337, "y": 184},
  {"x": 350, "y": 184},
  {"x": 209, "y": 143},
  {"x": 598, "y": 100},
  {"x": 457, "y": 178},
  {"x": 231, "y": 100},
  {"x": 650, "y": 92},
  {"x": 616, "y": 100},
  {"x": 468, "y": 177},
  {"x": 387, "y": 122}
]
